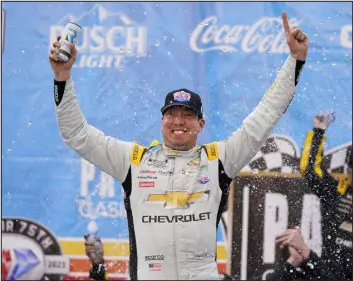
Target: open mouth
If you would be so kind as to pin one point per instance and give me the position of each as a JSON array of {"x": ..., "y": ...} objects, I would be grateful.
[{"x": 179, "y": 131}]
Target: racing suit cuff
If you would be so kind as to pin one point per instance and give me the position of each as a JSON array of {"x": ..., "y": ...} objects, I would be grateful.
[
  {"x": 59, "y": 89},
  {"x": 298, "y": 69},
  {"x": 298, "y": 65},
  {"x": 98, "y": 272}
]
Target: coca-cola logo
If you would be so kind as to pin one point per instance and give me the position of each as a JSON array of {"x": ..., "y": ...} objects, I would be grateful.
[{"x": 265, "y": 35}]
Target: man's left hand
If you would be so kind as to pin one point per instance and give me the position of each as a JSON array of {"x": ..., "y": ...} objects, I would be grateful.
[{"x": 296, "y": 39}]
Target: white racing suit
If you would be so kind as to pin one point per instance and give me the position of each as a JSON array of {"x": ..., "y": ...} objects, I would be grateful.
[{"x": 174, "y": 199}]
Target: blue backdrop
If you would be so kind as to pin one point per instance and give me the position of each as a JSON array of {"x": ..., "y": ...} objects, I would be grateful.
[{"x": 130, "y": 55}]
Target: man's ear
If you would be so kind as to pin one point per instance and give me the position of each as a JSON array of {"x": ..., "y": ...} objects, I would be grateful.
[{"x": 202, "y": 124}]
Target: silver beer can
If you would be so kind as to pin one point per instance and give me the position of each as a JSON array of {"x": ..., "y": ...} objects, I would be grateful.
[{"x": 70, "y": 36}]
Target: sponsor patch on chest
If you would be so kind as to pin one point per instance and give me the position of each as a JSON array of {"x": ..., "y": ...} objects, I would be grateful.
[
  {"x": 203, "y": 179},
  {"x": 146, "y": 184}
]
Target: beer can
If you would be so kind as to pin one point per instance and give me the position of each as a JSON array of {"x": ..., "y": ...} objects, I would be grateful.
[{"x": 69, "y": 37}]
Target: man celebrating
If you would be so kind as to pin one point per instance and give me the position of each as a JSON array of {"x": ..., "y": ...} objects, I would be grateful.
[
  {"x": 175, "y": 191},
  {"x": 335, "y": 199}
]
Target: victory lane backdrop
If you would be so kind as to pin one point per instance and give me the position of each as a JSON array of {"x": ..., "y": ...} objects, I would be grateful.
[
  {"x": 129, "y": 56},
  {"x": 265, "y": 206},
  {"x": 270, "y": 196}
]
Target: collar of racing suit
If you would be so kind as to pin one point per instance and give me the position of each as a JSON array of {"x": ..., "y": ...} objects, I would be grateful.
[{"x": 177, "y": 153}]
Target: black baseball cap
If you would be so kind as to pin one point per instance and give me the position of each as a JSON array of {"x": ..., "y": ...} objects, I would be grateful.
[{"x": 183, "y": 97}]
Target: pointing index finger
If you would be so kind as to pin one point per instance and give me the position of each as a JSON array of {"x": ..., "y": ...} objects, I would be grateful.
[{"x": 285, "y": 23}]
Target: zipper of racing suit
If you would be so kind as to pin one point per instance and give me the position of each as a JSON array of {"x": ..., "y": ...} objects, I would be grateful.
[{"x": 174, "y": 246}]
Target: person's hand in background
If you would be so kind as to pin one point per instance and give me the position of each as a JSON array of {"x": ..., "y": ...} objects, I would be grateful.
[
  {"x": 94, "y": 249},
  {"x": 295, "y": 258},
  {"x": 293, "y": 238},
  {"x": 322, "y": 120}
]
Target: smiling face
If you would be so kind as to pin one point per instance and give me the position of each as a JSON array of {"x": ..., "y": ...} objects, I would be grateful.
[{"x": 180, "y": 128}]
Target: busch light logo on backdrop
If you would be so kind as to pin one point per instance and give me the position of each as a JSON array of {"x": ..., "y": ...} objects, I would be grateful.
[
  {"x": 346, "y": 36},
  {"x": 98, "y": 196},
  {"x": 265, "y": 35},
  {"x": 107, "y": 38}
]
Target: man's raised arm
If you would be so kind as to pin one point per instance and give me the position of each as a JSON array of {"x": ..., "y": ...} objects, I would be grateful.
[
  {"x": 109, "y": 154},
  {"x": 241, "y": 147}
]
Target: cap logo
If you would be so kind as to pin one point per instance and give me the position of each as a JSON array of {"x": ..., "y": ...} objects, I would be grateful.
[{"x": 182, "y": 96}]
